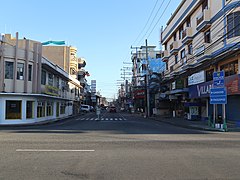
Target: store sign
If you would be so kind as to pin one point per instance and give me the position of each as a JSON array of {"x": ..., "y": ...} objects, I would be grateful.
[
  {"x": 232, "y": 84},
  {"x": 218, "y": 79},
  {"x": 139, "y": 94},
  {"x": 178, "y": 84},
  {"x": 196, "y": 78}
]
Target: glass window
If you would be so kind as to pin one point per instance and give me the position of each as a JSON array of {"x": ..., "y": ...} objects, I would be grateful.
[
  {"x": 207, "y": 37},
  {"x": 8, "y": 70},
  {"x": 13, "y": 109},
  {"x": 49, "y": 108},
  {"x": 190, "y": 49},
  {"x": 30, "y": 109},
  {"x": 43, "y": 78},
  {"x": 180, "y": 32},
  {"x": 20, "y": 71},
  {"x": 62, "y": 108},
  {"x": 233, "y": 25},
  {"x": 50, "y": 79},
  {"x": 230, "y": 68},
  {"x": 29, "y": 72},
  {"x": 183, "y": 54},
  {"x": 176, "y": 59},
  {"x": 209, "y": 75},
  {"x": 41, "y": 109}
]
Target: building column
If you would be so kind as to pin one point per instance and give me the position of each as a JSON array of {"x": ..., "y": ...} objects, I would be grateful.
[
  {"x": 15, "y": 64},
  {"x": 2, "y": 65},
  {"x": 26, "y": 66},
  {"x": 35, "y": 59},
  {"x": 39, "y": 68}
]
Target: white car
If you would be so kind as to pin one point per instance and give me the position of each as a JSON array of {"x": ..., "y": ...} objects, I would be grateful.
[{"x": 85, "y": 108}]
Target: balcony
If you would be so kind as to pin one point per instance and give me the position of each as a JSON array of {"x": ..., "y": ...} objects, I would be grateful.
[
  {"x": 165, "y": 56},
  {"x": 174, "y": 48},
  {"x": 187, "y": 35},
  {"x": 203, "y": 20}
]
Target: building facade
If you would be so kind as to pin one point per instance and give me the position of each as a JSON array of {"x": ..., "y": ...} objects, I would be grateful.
[
  {"x": 201, "y": 37},
  {"x": 32, "y": 88}
]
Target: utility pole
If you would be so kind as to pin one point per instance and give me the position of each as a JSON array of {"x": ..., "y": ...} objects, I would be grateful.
[{"x": 147, "y": 107}]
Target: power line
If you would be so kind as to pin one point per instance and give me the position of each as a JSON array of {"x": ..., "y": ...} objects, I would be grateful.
[
  {"x": 152, "y": 21},
  {"x": 159, "y": 19},
  {"x": 146, "y": 22}
]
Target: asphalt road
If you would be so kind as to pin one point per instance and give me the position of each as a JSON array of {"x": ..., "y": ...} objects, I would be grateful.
[{"x": 117, "y": 146}]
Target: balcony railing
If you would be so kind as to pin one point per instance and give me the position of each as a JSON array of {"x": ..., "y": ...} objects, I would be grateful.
[
  {"x": 203, "y": 20},
  {"x": 165, "y": 56},
  {"x": 187, "y": 35},
  {"x": 174, "y": 47}
]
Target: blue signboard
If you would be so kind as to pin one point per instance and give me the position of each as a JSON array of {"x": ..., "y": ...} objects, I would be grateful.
[
  {"x": 218, "y": 96},
  {"x": 216, "y": 92},
  {"x": 218, "y": 100},
  {"x": 218, "y": 79}
]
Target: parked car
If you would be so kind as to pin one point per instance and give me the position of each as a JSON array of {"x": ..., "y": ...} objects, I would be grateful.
[
  {"x": 112, "y": 109},
  {"x": 85, "y": 108}
]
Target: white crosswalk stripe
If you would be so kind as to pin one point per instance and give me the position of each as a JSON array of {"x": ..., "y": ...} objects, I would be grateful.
[{"x": 101, "y": 119}]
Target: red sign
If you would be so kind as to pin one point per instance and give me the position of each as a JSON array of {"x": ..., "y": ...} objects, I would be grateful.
[{"x": 139, "y": 94}]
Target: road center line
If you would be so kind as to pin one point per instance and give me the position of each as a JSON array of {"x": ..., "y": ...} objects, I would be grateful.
[{"x": 55, "y": 150}]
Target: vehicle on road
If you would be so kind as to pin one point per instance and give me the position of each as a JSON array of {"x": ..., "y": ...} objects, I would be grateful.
[
  {"x": 112, "y": 109},
  {"x": 85, "y": 108}
]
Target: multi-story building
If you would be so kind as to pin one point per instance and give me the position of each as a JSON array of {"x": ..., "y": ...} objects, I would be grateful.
[
  {"x": 32, "y": 88},
  {"x": 139, "y": 69},
  {"x": 202, "y": 37}
]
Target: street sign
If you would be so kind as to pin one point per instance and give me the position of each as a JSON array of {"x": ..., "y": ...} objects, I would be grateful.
[
  {"x": 218, "y": 95},
  {"x": 218, "y": 100},
  {"x": 216, "y": 92},
  {"x": 218, "y": 79}
]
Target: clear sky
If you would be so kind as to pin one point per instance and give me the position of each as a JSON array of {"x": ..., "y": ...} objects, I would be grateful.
[{"x": 102, "y": 30}]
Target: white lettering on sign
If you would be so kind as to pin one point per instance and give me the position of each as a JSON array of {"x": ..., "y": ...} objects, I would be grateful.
[{"x": 203, "y": 90}]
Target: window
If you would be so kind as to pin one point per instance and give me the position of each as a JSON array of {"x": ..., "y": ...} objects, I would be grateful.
[
  {"x": 183, "y": 54},
  {"x": 180, "y": 32},
  {"x": 13, "y": 109},
  {"x": 20, "y": 71},
  {"x": 57, "y": 109},
  {"x": 41, "y": 109},
  {"x": 205, "y": 5},
  {"x": 57, "y": 82},
  {"x": 62, "y": 108},
  {"x": 176, "y": 59},
  {"x": 43, "y": 78},
  {"x": 209, "y": 75},
  {"x": 233, "y": 25},
  {"x": 8, "y": 70},
  {"x": 188, "y": 22},
  {"x": 29, "y": 72},
  {"x": 174, "y": 36},
  {"x": 166, "y": 65},
  {"x": 207, "y": 37},
  {"x": 50, "y": 79},
  {"x": 230, "y": 68},
  {"x": 49, "y": 108},
  {"x": 190, "y": 49},
  {"x": 30, "y": 109}
]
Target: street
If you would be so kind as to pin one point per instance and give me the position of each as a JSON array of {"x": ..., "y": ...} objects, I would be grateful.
[{"x": 117, "y": 146}]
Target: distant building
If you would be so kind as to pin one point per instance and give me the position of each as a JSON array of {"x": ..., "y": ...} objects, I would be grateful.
[{"x": 32, "y": 88}]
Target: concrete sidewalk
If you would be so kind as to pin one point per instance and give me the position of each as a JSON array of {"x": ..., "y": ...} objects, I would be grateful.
[{"x": 193, "y": 124}]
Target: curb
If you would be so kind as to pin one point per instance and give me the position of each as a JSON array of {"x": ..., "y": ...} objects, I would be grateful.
[
  {"x": 46, "y": 122},
  {"x": 189, "y": 126}
]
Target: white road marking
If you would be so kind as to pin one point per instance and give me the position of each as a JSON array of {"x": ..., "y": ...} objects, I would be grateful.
[
  {"x": 96, "y": 119},
  {"x": 102, "y": 119},
  {"x": 120, "y": 119},
  {"x": 111, "y": 119},
  {"x": 91, "y": 119},
  {"x": 106, "y": 119},
  {"x": 87, "y": 119},
  {"x": 55, "y": 150},
  {"x": 116, "y": 119}
]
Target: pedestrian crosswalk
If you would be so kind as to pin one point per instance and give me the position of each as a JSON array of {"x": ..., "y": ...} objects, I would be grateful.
[{"x": 101, "y": 119}]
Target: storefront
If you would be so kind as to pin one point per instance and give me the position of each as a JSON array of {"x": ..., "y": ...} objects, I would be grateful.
[{"x": 200, "y": 94}]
